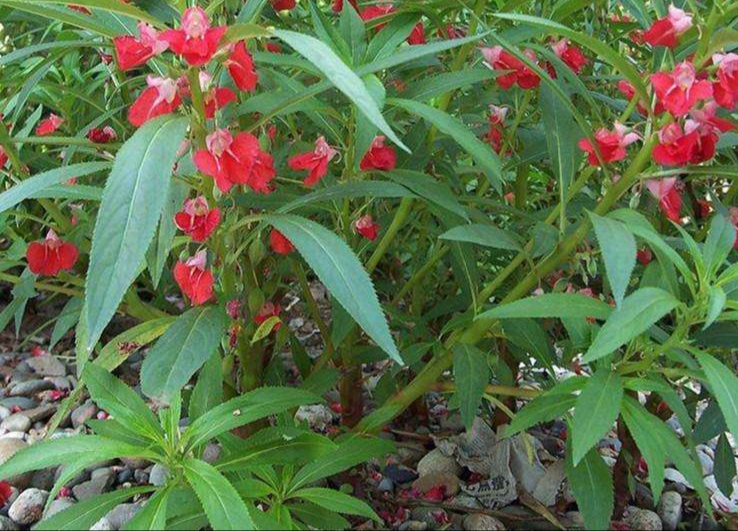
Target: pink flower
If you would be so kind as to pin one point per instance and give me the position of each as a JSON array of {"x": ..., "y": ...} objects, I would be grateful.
[
  {"x": 611, "y": 144},
  {"x": 196, "y": 219},
  {"x": 666, "y": 31},
  {"x": 49, "y": 125},
  {"x": 725, "y": 89},
  {"x": 241, "y": 67},
  {"x": 161, "y": 97},
  {"x": 366, "y": 227},
  {"x": 569, "y": 54},
  {"x": 379, "y": 156},
  {"x": 499, "y": 59},
  {"x": 194, "y": 279},
  {"x": 196, "y": 41},
  {"x": 675, "y": 145},
  {"x": 132, "y": 52},
  {"x": 666, "y": 192},
  {"x": 315, "y": 161},
  {"x": 680, "y": 90},
  {"x": 417, "y": 36}
]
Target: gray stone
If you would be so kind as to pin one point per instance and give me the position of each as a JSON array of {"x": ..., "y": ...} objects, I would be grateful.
[
  {"x": 80, "y": 477},
  {"x": 57, "y": 506},
  {"x": 437, "y": 463},
  {"x": 141, "y": 476},
  {"x": 4, "y": 413},
  {"x": 6, "y": 524},
  {"x": 412, "y": 525},
  {"x": 482, "y": 522},
  {"x": 158, "y": 475},
  {"x": 40, "y": 413},
  {"x": 16, "y": 422},
  {"x": 22, "y": 402},
  {"x": 97, "y": 484},
  {"x": 670, "y": 510},
  {"x": 134, "y": 462},
  {"x": 575, "y": 519},
  {"x": 44, "y": 479},
  {"x": 427, "y": 515},
  {"x": 386, "y": 485},
  {"x": 211, "y": 453},
  {"x": 30, "y": 388},
  {"x": 8, "y": 447},
  {"x": 644, "y": 520},
  {"x": 103, "y": 524},
  {"x": 122, "y": 514},
  {"x": 29, "y": 507},
  {"x": 47, "y": 365},
  {"x": 466, "y": 501},
  {"x": 83, "y": 413}
]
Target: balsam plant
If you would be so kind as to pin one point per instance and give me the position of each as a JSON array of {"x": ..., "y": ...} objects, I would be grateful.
[{"x": 489, "y": 190}]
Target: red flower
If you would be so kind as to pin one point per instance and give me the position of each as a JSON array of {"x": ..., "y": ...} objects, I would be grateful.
[
  {"x": 217, "y": 99},
  {"x": 49, "y": 256},
  {"x": 611, "y": 144},
  {"x": 496, "y": 121},
  {"x": 666, "y": 191},
  {"x": 231, "y": 161},
  {"x": 268, "y": 309},
  {"x": 241, "y": 67},
  {"x": 627, "y": 90},
  {"x": 417, "y": 36},
  {"x": 725, "y": 89},
  {"x": 666, "y": 31},
  {"x": 161, "y": 97},
  {"x": 196, "y": 220},
  {"x": 49, "y": 125},
  {"x": 280, "y": 244},
  {"x": 676, "y": 146},
  {"x": 196, "y": 41},
  {"x": 3, "y": 157},
  {"x": 102, "y": 135},
  {"x": 273, "y": 47},
  {"x": 499, "y": 59},
  {"x": 281, "y": 5},
  {"x": 315, "y": 161},
  {"x": 376, "y": 11},
  {"x": 195, "y": 281},
  {"x": 644, "y": 256},
  {"x": 366, "y": 227},
  {"x": 6, "y": 491},
  {"x": 680, "y": 90},
  {"x": 132, "y": 52},
  {"x": 569, "y": 54},
  {"x": 379, "y": 156}
]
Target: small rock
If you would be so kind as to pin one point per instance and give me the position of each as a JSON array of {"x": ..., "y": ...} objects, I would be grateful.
[
  {"x": 412, "y": 525},
  {"x": 6, "y": 524},
  {"x": 30, "y": 388},
  {"x": 4, "y": 413},
  {"x": 482, "y": 522},
  {"x": 158, "y": 475},
  {"x": 211, "y": 453},
  {"x": 706, "y": 462},
  {"x": 125, "y": 475},
  {"x": 644, "y": 520},
  {"x": 436, "y": 462},
  {"x": 429, "y": 515},
  {"x": 83, "y": 413},
  {"x": 43, "y": 479},
  {"x": 386, "y": 485},
  {"x": 97, "y": 484},
  {"x": 317, "y": 416},
  {"x": 103, "y": 524},
  {"x": 427, "y": 482},
  {"x": 400, "y": 474},
  {"x": 122, "y": 514},
  {"x": 576, "y": 519},
  {"x": 464, "y": 500},
  {"x": 57, "y": 506},
  {"x": 8, "y": 447},
  {"x": 17, "y": 422},
  {"x": 141, "y": 476},
  {"x": 644, "y": 497},
  {"x": 47, "y": 365},
  {"x": 134, "y": 462},
  {"x": 670, "y": 510},
  {"x": 40, "y": 413},
  {"x": 29, "y": 507},
  {"x": 21, "y": 402}
]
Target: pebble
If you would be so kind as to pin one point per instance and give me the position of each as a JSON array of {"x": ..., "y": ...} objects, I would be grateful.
[
  {"x": 4, "y": 413},
  {"x": 83, "y": 413},
  {"x": 16, "y": 422},
  {"x": 435, "y": 462},
  {"x": 99, "y": 482},
  {"x": 412, "y": 525},
  {"x": 8, "y": 447},
  {"x": 427, "y": 482},
  {"x": 386, "y": 485},
  {"x": 44, "y": 479},
  {"x": 400, "y": 474},
  {"x": 29, "y": 507},
  {"x": 6, "y": 524},
  {"x": 670, "y": 510},
  {"x": 31, "y": 387},
  {"x": 103, "y": 524},
  {"x": 21, "y": 402},
  {"x": 47, "y": 365},
  {"x": 158, "y": 475},
  {"x": 211, "y": 453},
  {"x": 644, "y": 520},
  {"x": 482, "y": 522},
  {"x": 39, "y": 413},
  {"x": 57, "y": 506},
  {"x": 426, "y": 515},
  {"x": 122, "y": 514},
  {"x": 141, "y": 477},
  {"x": 124, "y": 476}
]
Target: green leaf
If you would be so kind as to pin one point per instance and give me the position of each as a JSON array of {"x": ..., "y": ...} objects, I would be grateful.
[
  {"x": 303, "y": 448},
  {"x": 318, "y": 517},
  {"x": 431, "y": 87},
  {"x": 41, "y": 181},
  {"x": 120, "y": 401},
  {"x": 117, "y": 350},
  {"x": 529, "y": 335},
  {"x": 240, "y": 32},
  {"x": 350, "y": 453},
  {"x": 551, "y": 305},
  {"x": 113, "y": 6},
  {"x": 337, "y": 501},
  {"x": 391, "y": 36},
  {"x": 619, "y": 252},
  {"x": 222, "y": 504},
  {"x": 458, "y": 132},
  {"x": 342, "y": 77},
  {"x": 428, "y": 188},
  {"x": 724, "y": 387},
  {"x": 66, "y": 321},
  {"x": 265, "y": 328},
  {"x": 716, "y": 304},
  {"x": 53, "y": 452},
  {"x": 719, "y": 243},
  {"x": 208, "y": 391},
  {"x": 243, "y": 410},
  {"x": 153, "y": 515},
  {"x": 158, "y": 251},
  {"x": 129, "y": 212},
  {"x": 562, "y": 135},
  {"x": 343, "y": 275},
  {"x": 485, "y": 235},
  {"x": 182, "y": 350},
  {"x": 85, "y": 514},
  {"x": 541, "y": 409},
  {"x": 639, "y": 312},
  {"x": 471, "y": 374},
  {"x": 596, "y": 411},
  {"x": 591, "y": 484},
  {"x": 724, "y": 466},
  {"x": 650, "y": 446}
]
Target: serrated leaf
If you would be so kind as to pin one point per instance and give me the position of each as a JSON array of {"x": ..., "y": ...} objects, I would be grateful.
[
  {"x": 596, "y": 411},
  {"x": 66, "y": 321},
  {"x": 639, "y": 312},
  {"x": 342, "y": 274},
  {"x": 718, "y": 244},
  {"x": 724, "y": 466},
  {"x": 126, "y": 222},
  {"x": 541, "y": 409},
  {"x": 337, "y": 501},
  {"x": 551, "y": 305},
  {"x": 151, "y": 516},
  {"x": 562, "y": 135},
  {"x": 716, "y": 304},
  {"x": 591, "y": 483},
  {"x": 724, "y": 387},
  {"x": 471, "y": 374},
  {"x": 485, "y": 235},
  {"x": 208, "y": 391},
  {"x": 619, "y": 252},
  {"x": 182, "y": 350},
  {"x": 650, "y": 447},
  {"x": 303, "y": 448}
]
